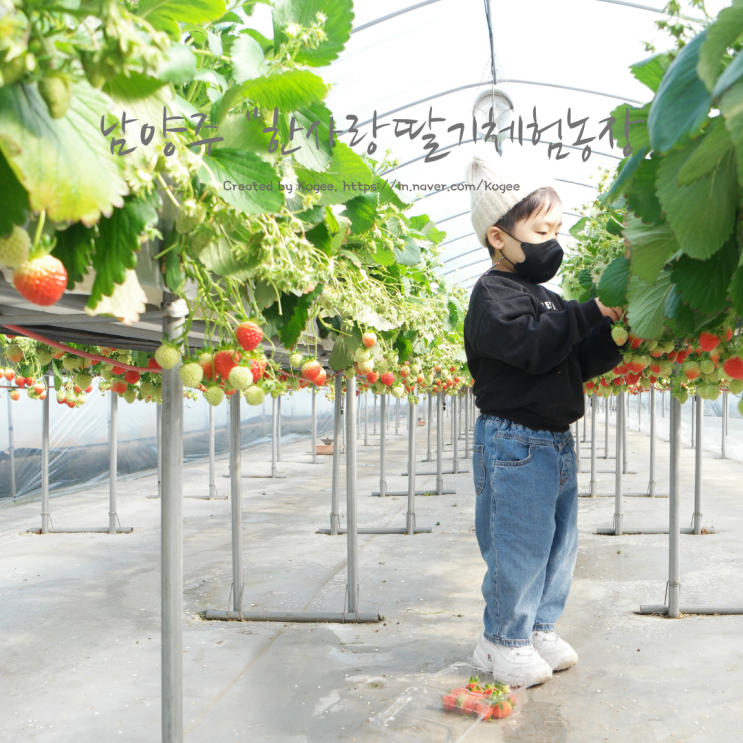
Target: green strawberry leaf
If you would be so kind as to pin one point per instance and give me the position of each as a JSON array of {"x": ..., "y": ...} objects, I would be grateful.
[
  {"x": 73, "y": 247},
  {"x": 341, "y": 357},
  {"x": 345, "y": 168},
  {"x": 707, "y": 156},
  {"x": 704, "y": 284},
  {"x": 641, "y": 196},
  {"x": 702, "y": 214},
  {"x": 14, "y": 199},
  {"x": 339, "y": 21},
  {"x": 165, "y": 15},
  {"x": 651, "y": 246},
  {"x": 650, "y": 71},
  {"x": 719, "y": 36},
  {"x": 118, "y": 242},
  {"x": 612, "y": 287},
  {"x": 645, "y": 303},
  {"x": 682, "y": 102},
  {"x": 64, "y": 164}
]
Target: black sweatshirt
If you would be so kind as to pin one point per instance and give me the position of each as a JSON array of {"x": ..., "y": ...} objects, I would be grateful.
[{"x": 530, "y": 351}]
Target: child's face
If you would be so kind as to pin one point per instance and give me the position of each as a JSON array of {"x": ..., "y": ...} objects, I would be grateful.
[{"x": 538, "y": 228}]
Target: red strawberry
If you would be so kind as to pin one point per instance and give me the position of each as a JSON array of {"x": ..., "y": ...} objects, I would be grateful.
[
  {"x": 369, "y": 339},
  {"x": 404, "y": 372},
  {"x": 41, "y": 280},
  {"x": 15, "y": 395},
  {"x": 728, "y": 333},
  {"x": 256, "y": 370},
  {"x": 388, "y": 378},
  {"x": 120, "y": 386},
  {"x": 590, "y": 385},
  {"x": 320, "y": 378},
  {"x": 225, "y": 361},
  {"x": 9, "y": 374},
  {"x": 634, "y": 341},
  {"x": 249, "y": 335},
  {"x": 733, "y": 368},
  {"x": 672, "y": 356},
  {"x": 152, "y": 364},
  {"x": 89, "y": 389},
  {"x": 632, "y": 379},
  {"x": 131, "y": 376},
  {"x": 38, "y": 388},
  {"x": 655, "y": 368},
  {"x": 310, "y": 369},
  {"x": 708, "y": 341},
  {"x": 118, "y": 371},
  {"x": 20, "y": 381},
  {"x": 618, "y": 381},
  {"x": 372, "y": 377}
]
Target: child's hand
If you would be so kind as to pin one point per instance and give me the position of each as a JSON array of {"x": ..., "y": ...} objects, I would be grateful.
[{"x": 615, "y": 313}]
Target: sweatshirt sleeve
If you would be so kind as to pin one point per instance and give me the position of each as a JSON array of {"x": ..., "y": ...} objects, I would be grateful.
[
  {"x": 598, "y": 353},
  {"x": 509, "y": 327}
]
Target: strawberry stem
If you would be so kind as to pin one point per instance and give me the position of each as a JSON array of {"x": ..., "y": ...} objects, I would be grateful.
[{"x": 39, "y": 229}]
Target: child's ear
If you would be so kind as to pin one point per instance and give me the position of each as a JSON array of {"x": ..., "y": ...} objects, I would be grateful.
[{"x": 495, "y": 237}]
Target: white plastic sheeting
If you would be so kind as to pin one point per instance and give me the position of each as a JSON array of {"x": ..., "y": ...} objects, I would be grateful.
[{"x": 79, "y": 451}]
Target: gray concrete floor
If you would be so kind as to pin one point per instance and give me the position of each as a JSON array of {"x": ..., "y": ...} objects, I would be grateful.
[{"x": 80, "y": 612}]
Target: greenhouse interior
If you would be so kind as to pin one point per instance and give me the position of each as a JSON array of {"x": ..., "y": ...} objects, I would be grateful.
[{"x": 304, "y": 293}]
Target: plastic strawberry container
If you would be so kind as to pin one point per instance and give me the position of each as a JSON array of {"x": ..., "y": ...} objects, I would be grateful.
[{"x": 424, "y": 711}]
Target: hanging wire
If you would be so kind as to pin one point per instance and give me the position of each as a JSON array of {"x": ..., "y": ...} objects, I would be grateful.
[{"x": 493, "y": 78}]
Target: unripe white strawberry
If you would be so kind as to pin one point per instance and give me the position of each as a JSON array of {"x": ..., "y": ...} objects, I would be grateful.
[
  {"x": 350, "y": 373},
  {"x": 361, "y": 355},
  {"x": 147, "y": 389},
  {"x": 214, "y": 395},
  {"x": 190, "y": 215},
  {"x": 295, "y": 360},
  {"x": 71, "y": 362},
  {"x": 14, "y": 353},
  {"x": 14, "y": 248},
  {"x": 43, "y": 356},
  {"x": 167, "y": 356},
  {"x": 191, "y": 374},
  {"x": 397, "y": 391},
  {"x": 240, "y": 377},
  {"x": 107, "y": 374},
  {"x": 131, "y": 395},
  {"x": 366, "y": 366},
  {"x": 255, "y": 395},
  {"x": 415, "y": 368},
  {"x": 83, "y": 380}
]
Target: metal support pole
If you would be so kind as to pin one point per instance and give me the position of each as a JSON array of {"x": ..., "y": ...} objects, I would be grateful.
[
  {"x": 439, "y": 442},
  {"x": 45, "y": 466},
  {"x": 397, "y": 415},
  {"x": 622, "y": 430},
  {"x": 366, "y": 418},
  {"x": 696, "y": 523},
  {"x": 725, "y": 413},
  {"x": 382, "y": 443},
  {"x": 692, "y": 424},
  {"x": 358, "y": 419},
  {"x": 585, "y": 423},
  {"x": 639, "y": 412},
  {"x": 674, "y": 524},
  {"x": 455, "y": 432},
  {"x": 113, "y": 462},
  {"x": 352, "y": 546},
  {"x": 171, "y": 530},
  {"x": 606, "y": 428},
  {"x": 212, "y": 484},
  {"x": 236, "y": 503},
  {"x": 274, "y": 427},
  {"x": 335, "y": 520},
  {"x": 278, "y": 428},
  {"x": 429, "y": 424},
  {"x": 651, "y": 484},
  {"x": 618, "y": 513},
  {"x": 374, "y": 421},
  {"x": 663, "y": 404},
  {"x": 592, "y": 489},
  {"x": 10, "y": 447},
  {"x": 466, "y": 426},
  {"x": 410, "y": 515},
  {"x": 159, "y": 417},
  {"x": 313, "y": 392}
]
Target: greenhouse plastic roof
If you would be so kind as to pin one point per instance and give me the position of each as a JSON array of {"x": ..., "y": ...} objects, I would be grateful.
[{"x": 406, "y": 59}]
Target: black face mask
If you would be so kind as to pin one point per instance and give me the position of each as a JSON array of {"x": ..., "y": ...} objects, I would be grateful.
[{"x": 542, "y": 260}]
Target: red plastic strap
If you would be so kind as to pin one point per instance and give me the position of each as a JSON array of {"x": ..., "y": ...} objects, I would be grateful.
[{"x": 92, "y": 356}]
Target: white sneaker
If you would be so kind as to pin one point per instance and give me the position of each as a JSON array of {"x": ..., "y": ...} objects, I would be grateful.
[
  {"x": 514, "y": 666},
  {"x": 554, "y": 650}
]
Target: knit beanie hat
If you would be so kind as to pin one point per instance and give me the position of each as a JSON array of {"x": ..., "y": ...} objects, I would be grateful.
[{"x": 500, "y": 182}]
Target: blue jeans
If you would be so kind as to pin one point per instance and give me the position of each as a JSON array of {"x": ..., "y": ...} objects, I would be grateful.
[{"x": 526, "y": 522}]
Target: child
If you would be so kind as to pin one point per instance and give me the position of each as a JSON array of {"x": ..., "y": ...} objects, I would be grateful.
[{"x": 529, "y": 352}]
